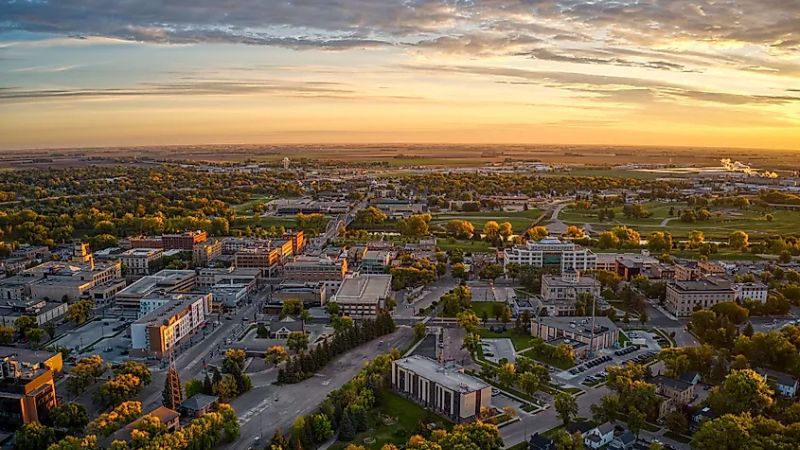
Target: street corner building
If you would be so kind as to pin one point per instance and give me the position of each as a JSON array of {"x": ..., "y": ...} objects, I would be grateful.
[{"x": 444, "y": 389}]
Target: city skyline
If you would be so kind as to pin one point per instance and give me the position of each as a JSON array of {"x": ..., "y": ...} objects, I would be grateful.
[{"x": 684, "y": 73}]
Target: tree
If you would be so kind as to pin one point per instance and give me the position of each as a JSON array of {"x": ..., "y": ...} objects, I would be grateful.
[
  {"x": 608, "y": 239},
  {"x": 468, "y": 321},
  {"x": 193, "y": 387},
  {"x": 276, "y": 354},
  {"x": 742, "y": 390},
  {"x": 606, "y": 410},
  {"x": 459, "y": 270},
  {"x": 696, "y": 239},
  {"x": 6, "y": 334},
  {"x": 135, "y": 368},
  {"x": 291, "y": 307},
  {"x": 507, "y": 374},
  {"x": 575, "y": 232},
  {"x": 739, "y": 240},
  {"x": 460, "y": 229},
  {"x": 635, "y": 420},
  {"x": 71, "y": 417},
  {"x": 370, "y": 216},
  {"x": 34, "y": 436},
  {"x": 566, "y": 406},
  {"x": 79, "y": 312},
  {"x": 537, "y": 233},
  {"x": 491, "y": 230},
  {"x": 660, "y": 241},
  {"x": 118, "y": 389},
  {"x": 297, "y": 341},
  {"x": 506, "y": 230},
  {"x": 529, "y": 382},
  {"x": 321, "y": 426},
  {"x": 419, "y": 330},
  {"x": 76, "y": 443},
  {"x": 226, "y": 388},
  {"x": 492, "y": 271},
  {"x": 728, "y": 432},
  {"x": 677, "y": 422}
]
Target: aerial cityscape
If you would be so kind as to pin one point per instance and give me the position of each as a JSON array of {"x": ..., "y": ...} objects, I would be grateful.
[{"x": 379, "y": 225}]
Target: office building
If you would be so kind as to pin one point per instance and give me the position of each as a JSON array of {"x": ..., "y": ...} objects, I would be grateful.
[
  {"x": 316, "y": 269},
  {"x": 443, "y": 389},
  {"x": 569, "y": 286},
  {"x": 375, "y": 262},
  {"x": 755, "y": 291},
  {"x": 551, "y": 252},
  {"x": 167, "y": 280},
  {"x": 363, "y": 296},
  {"x": 206, "y": 251},
  {"x": 297, "y": 238},
  {"x": 683, "y": 297}
]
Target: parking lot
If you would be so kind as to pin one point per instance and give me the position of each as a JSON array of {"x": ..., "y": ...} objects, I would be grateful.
[
  {"x": 91, "y": 333},
  {"x": 496, "y": 349}
]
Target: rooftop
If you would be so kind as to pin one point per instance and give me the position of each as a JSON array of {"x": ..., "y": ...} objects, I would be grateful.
[
  {"x": 578, "y": 324},
  {"x": 198, "y": 402},
  {"x": 364, "y": 288},
  {"x": 448, "y": 376},
  {"x": 673, "y": 383}
]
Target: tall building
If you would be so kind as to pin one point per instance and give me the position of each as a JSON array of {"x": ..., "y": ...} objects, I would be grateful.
[
  {"x": 159, "y": 331},
  {"x": 551, "y": 252}
]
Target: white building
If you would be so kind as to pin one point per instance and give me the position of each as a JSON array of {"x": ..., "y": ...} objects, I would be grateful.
[
  {"x": 755, "y": 291},
  {"x": 551, "y": 252}
]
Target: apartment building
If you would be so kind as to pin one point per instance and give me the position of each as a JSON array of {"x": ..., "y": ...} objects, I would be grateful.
[
  {"x": 27, "y": 390},
  {"x": 264, "y": 258},
  {"x": 363, "y": 296},
  {"x": 684, "y": 296},
  {"x": 178, "y": 318},
  {"x": 140, "y": 261},
  {"x": 446, "y": 390},
  {"x": 297, "y": 238},
  {"x": 551, "y": 252},
  {"x": 674, "y": 394},
  {"x": 183, "y": 241},
  {"x": 206, "y": 251}
]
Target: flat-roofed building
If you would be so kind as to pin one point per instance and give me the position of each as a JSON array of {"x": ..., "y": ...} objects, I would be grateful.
[
  {"x": 375, "y": 262},
  {"x": 363, "y": 296},
  {"x": 42, "y": 311},
  {"x": 159, "y": 331},
  {"x": 167, "y": 280},
  {"x": 604, "y": 335},
  {"x": 146, "y": 242},
  {"x": 755, "y": 291},
  {"x": 232, "y": 244},
  {"x": 183, "y": 241},
  {"x": 140, "y": 261},
  {"x": 569, "y": 285},
  {"x": 206, "y": 251},
  {"x": 444, "y": 389},
  {"x": 27, "y": 390},
  {"x": 297, "y": 238},
  {"x": 684, "y": 296},
  {"x": 551, "y": 252},
  {"x": 316, "y": 269}
]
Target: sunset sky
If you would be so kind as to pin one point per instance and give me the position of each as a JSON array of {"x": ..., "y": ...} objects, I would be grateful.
[{"x": 669, "y": 72}]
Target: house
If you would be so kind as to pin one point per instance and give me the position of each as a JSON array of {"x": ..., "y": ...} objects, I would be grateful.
[
  {"x": 540, "y": 442},
  {"x": 581, "y": 427},
  {"x": 599, "y": 436},
  {"x": 674, "y": 394},
  {"x": 623, "y": 441},
  {"x": 784, "y": 384},
  {"x": 701, "y": 416},
  {"x": 198, "y": 404},
  {"x": 280, "y": 329},
  {"x": 691, "y": 377}
]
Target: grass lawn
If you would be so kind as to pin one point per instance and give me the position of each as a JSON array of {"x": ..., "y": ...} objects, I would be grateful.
[
  {"x": 407, "y": 415},
  {"x": 520, "y": 220},
  {"x": 247, "y": 207},
  {"x": 535, "y": 355},
  {"x": 488, "y": 307},
  {"x": 723, "y": 221},
  {"x": 465, "y": 246},
  {"x": 520, "y": 341},
  {"x": 269, "y": 221}
]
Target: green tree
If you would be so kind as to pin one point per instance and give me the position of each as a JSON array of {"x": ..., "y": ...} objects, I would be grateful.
[
  {"x": 566, "y": 406},
  {"x": 742, "y": 390},
  {"x": 6, "y": 334},
  {"x": 322, "y": 427},
  {"x": 71, "y": 417},
  {"x": 739, "y": 240},
  {"x": 138, "y": 369},
  {"x": 34, "y": 436},
  {"x": 193, "y": 387},
  {"x": 297, "y": 341},
  {"x": 419, "y": 330}
]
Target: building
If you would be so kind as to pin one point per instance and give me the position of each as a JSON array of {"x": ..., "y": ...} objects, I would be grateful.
[
  {"x": 205, "y": 252},
  {"x": 629, "y": 265},
  {"x": 231, "y": 245},
  {"x": 169, "y": 418},
  {"x": 198, "y": 404},
  {"x": 297, "y": 238},
  {"x": 755, "y": 291},
  {"x": 140, "y": 261},
  {"x": 688, "y": 271},
  {"x": 783, "y": 383},
  {"x": 674, "y": 394},
  {"x": 281, "y": 328},
  {"x": 316, "y": 269},
  {"x": 569, "y": 286},
  {"x": 599, "y": 436},
  {"x": 42, "y": 311},
  {"x": 579, "y": 329},
  {"x": 551, "y": 252},
  {"x": 183, "y": 241},
  {"x": 540, "y": 442},
  {"x": 683, "y": 297},
  {"x": 363, "y": 296},
  {"x": 701, "y": 416},
  {"x": 71, "y": 280},
  {"x": 105, "y": 293},
  {"x": 146, "y": 242},
  {"x": 167, "y": 280},
  {"x": 375, "y": 262},
  {"x": 445, "y": 390},
  {"x": 27, "y": 390},
  {"x": 159, "y": 331},
  {"x": 264, "y": 258},
  {"x": 230, "y": 293}
]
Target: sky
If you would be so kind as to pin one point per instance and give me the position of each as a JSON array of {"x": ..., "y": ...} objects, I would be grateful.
[{"x": 86, "y": 73}]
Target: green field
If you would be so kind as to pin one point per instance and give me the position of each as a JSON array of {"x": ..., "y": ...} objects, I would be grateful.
[
  {"x": 521, "y": 341},
  {"x": 723, "y": 221},
  {"x": 247, "y": 207},
  {"x": 407, "y": 415},
  {"x": 612, "y": 173},
  {"x": 488, "y": 307},
  {"x": 520, "y": 220}
]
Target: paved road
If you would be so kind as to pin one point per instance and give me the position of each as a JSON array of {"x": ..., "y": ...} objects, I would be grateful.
[
  {"x": 268, "y": 407},
  {"x": 432, "y": 292}
]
